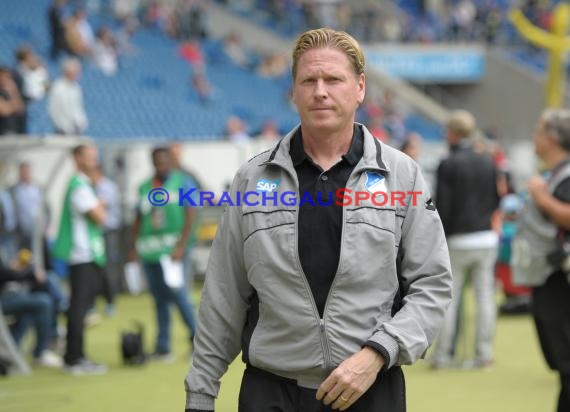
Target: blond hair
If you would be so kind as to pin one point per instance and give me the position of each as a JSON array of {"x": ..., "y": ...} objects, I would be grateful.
[
  {"x": 462, "y": 123},
  {"x": 321, "y": 38}
]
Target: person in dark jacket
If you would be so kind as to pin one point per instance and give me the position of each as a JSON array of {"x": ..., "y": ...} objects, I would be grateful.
[
  {"x": 11, "y": 104},
  {"x": 18, "y": 301},
  {"x": 56, "y": 27},
  {"x": 467, "y": 198}
]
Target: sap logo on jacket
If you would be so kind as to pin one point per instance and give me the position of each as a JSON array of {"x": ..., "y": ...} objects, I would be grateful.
[{"x": 265, "y": 185}]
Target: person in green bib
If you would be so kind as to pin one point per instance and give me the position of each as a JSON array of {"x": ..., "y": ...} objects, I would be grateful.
[
  {"x": 160, "y": 242},
  {"x": 81, "y": 245}
]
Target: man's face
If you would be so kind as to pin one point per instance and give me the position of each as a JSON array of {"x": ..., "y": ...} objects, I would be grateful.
[
  {"x": 72, "y": 73},
  {"x": 541, "y": 140},
  {"x": 176, "y": 152},
  {"x": 162, "y": 164},
  {"x": 87, "y": 160},
  {"x": 451, "y": 137},
  {"x": 25, "y": 173},
  {"x": 326, "y": 90}
]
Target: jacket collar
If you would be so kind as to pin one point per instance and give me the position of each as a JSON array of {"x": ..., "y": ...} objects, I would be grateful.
[
  {"x": 372, "y": 159},
  {"x": 353, "y": 156}
]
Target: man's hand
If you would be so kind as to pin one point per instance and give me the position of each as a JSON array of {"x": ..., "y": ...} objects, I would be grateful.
[
  {"x": 178, "y": 252},
  {"x": 347, "y": 383},
  {"x": 537, "y": 188},
  {"x": 40, "y": 276}
]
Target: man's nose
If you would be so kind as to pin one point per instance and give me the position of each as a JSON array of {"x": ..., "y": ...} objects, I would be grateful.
[{"x": 320, "y": 89}]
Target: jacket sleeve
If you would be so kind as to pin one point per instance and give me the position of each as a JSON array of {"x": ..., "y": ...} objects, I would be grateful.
[
  {"x": 425, "y": 281},
  {"x": 222, "y": 311},
  {"x": 10, "y": 275}
]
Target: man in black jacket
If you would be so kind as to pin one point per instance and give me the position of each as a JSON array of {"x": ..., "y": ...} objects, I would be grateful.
[
  {"x": 466, "y": 199},
  {"x": 17, "y": 301},
  {"x": 57, "y": 30}
]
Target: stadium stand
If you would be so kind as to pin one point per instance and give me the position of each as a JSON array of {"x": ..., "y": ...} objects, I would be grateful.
[{"x": 151, "y": 95}]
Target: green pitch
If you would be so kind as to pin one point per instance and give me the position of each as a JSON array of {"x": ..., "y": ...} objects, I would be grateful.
[{"x": 519, "y": 381}]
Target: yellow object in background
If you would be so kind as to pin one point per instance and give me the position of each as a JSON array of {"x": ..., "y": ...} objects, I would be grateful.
[
  {"x": 24, "y": 257},
  {"x": 556, "y": 42}
]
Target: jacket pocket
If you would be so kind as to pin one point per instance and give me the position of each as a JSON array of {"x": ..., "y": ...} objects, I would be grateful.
[
  {"x": 382, "y": 223},
  {"x": 286, "y": 337},
  {"x": 262, "y": 219}
]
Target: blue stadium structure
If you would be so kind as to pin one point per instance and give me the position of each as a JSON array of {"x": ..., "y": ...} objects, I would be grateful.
[{"x": 151, "y": 95}]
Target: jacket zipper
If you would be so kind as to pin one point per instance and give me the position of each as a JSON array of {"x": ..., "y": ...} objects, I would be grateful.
[{"x": 321, "y": 322}]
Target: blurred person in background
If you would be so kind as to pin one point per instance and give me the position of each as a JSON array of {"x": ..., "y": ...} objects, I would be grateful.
[
  {"x": 28, "y": 201},
  {"x": 80, "y": 243},
  {"x": 272, "y": 66},
  {"x": 57, "y": 28},
  {"x": 160, "y": 232},
  {"x": 269, "y": 132},
  {"x": 104, "y": 52},
  {"x": 467, "y": 199},
  {"x": 12, "y": 105},
  {"x": 236, "y": 51},
  {"x": 34, "y": 75},
  {"x": 412, "y": 145},
  {"x": 17, "y": 300},
  {"x": 110, "y": 196},
  {"x": 201, "y": 86},
  {"x": 46, "y": 285},
  {"x": 190, "y": 19},
  {"x": 516, "y": 298},
  {"x": 541, "y": 248},
  {"x": 8, "y": 225},
  {"x": 393, "y": 115},
  {"x": 236, "y": 130},
  {"x": 124, "y": 35},
  {"x": 79, "y": 36},
  {"x": 376, "y": 127},
  {"x": 65, "y": 100},
  {"x": 176, "y": 152},
  {"x": 32, "y": 79}
]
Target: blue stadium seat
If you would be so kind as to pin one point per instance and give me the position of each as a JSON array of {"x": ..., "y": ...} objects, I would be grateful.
[{"x": 151, "y": 95}]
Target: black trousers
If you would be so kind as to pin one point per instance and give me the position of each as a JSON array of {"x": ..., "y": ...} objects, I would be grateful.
[
  {"x": 264, "y": 392},
  {"x": 86, "y": 282},
  {"x": 114, "y": 269},
  {"x": 551, "y": 312}
]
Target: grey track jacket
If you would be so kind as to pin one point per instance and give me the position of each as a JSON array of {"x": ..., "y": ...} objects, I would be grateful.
[{"x": 254, "y": 268}]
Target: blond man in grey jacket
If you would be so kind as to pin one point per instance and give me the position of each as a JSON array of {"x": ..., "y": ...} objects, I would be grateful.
[{"x": 330, "y": 269}]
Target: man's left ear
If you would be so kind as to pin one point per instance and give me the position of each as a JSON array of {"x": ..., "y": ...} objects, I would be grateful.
[{"x": 362, "y": 81}]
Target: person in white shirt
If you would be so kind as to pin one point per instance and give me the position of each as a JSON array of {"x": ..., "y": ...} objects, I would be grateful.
[
  {"x": 35, "y": 77},
  {"x": 65, "y": 100},
  {"x": 105, "y": 52},
  {"x": 81, "y": 245}
]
